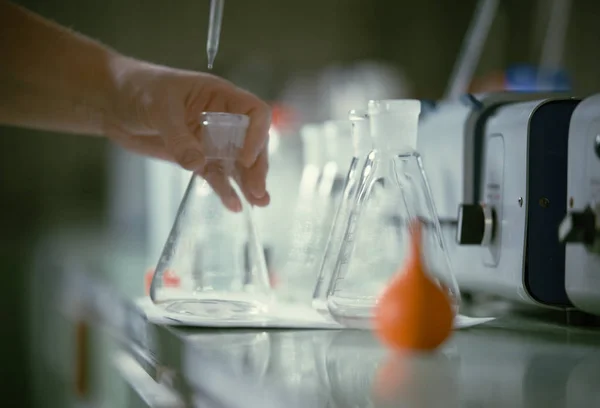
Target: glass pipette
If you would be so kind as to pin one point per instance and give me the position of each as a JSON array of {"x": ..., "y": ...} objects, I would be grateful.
[{"x": 214, "y": 30}]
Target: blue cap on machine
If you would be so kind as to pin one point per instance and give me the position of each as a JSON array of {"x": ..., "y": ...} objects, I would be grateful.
[{"x": 529, "y": 78}]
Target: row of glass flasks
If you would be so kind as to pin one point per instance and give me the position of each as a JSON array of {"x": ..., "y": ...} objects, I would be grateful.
[
  {"x": 348, "y": 234},
  {"x": 385, "y": 187}
]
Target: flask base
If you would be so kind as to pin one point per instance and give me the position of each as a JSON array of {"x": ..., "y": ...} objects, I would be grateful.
[
  {"x": 217, "y": 307},
  {"x": 354, "y": 313},
  {"x": 358, "y": 312}
]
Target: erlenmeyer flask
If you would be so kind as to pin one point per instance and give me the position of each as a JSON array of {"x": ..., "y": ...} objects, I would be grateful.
[
  {"x": 316, "y": 203},
  {"x": 339, "y": 152},
  {"x": 314, "y": 160},
  {"x": 362, "y": 145},
  {"x": 393, "y": 192},
  {"x": 302, "y": 237},
  {"x": 214, "y": 252},
  {"x": 274, "y": 221}
]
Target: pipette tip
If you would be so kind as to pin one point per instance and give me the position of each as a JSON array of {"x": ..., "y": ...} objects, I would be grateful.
[{"x": 212, "y": 54}]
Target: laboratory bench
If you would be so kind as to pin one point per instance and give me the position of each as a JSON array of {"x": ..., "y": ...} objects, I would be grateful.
[
  {"x": 517, "y": 360},
  {"x": 513, "y": 361}
]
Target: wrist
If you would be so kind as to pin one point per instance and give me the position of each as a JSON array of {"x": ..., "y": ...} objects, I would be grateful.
[
  {"x": 130, "y": 93},
  {"x": 120, "y": 94}
]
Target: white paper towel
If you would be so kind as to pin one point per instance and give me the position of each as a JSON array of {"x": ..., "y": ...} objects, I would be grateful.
[{"x": 281, "y": 315}]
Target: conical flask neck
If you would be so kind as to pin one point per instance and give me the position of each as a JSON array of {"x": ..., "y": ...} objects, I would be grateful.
[
  {"x": 338, "y": 142},
  {"x": 394, "y": 124},
  {"x": 312, "y": 145},
  {"x": 362, "y": 143}
]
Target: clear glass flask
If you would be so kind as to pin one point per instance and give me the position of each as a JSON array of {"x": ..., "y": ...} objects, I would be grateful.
[
  {"x": 393, "y": 191},
  {"x": 339, "y": 153},
  {"x": 314, "y": 160},
  {"x": 215, "y": 254},
  {"x": 316, "y": 206},
  {"x": 362, "y": 145},
  {"x": 303, "y": 237},
  {"x": 274, "y": 221}
]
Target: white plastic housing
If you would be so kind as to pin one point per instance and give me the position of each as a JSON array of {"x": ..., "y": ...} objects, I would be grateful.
[{"x": 582, "y": 275}]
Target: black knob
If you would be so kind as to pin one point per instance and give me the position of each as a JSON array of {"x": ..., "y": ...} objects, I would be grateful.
[
  {"x": 579, "y": 227},
  {"x": 471, "y": 224},
  {"x": 597, "y": 145}
]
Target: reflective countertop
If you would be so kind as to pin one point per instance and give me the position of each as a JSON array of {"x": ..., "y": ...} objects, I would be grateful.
[
  {"x": 513, "y": 361},
  {"x": 510, "y": 362}
]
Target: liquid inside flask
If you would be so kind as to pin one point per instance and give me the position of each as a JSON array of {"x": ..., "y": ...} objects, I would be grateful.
[
  {"x": 393, "y": 192},
  {"x": 215, "y": 254},
  {"x": 362, "y": 145},
  {"x": 328, "y": 150}
]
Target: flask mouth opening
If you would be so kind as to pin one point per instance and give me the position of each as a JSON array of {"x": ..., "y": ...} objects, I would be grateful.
[
  {"x": 358, "y": 114},
  {"x": 222, "y": 119},
  {"x": 362, "y": 142},
  {"x": 222, "y": 134},
  {"x": 408, "y": 107},
  {"x": 394, "y": 123},
  {"x": 312, "y": 144},
  {"x": 337, "y": 129}
]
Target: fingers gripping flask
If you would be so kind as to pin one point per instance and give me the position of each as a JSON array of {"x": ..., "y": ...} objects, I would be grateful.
[
  {"x": 215, "y": 253},
  {"x": 393, "y": 192}
]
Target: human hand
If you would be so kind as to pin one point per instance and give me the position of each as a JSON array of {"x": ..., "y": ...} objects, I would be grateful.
[{"x": 157, "y": 111}]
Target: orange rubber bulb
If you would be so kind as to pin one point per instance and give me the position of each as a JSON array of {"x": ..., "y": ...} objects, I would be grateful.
[{"x": 414, "y": 313}]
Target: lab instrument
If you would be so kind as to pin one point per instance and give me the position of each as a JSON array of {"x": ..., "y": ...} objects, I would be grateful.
[
  {"x": 362, "y": 145},
  {"x": 581, "y": 227},
  {"x": 451, "y": 138},
  {"x": 214, "y": 30},
  {"x": 393, "y": 192},
  {"x": 520, "y": 202},
  {"x": 215, "y": 253}
]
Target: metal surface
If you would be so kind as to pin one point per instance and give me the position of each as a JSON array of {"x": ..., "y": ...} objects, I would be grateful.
[
  {"x": 493, "y": 194},
  {"x": 488, "y": 230},
  {"x": 509, "y": 362}
]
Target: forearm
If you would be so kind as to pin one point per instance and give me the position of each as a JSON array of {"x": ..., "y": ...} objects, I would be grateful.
[{"x": 52, "y": 78}]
